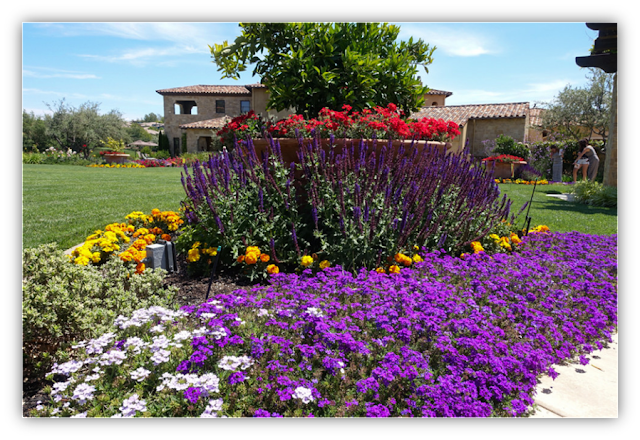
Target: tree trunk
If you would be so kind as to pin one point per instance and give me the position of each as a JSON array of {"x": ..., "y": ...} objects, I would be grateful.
[{"x": 611, "y": 159}]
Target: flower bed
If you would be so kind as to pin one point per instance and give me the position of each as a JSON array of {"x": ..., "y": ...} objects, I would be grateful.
[
  {"x": 129, "y": 240},
  {"x": 523, "y": 182},
  {"x": 449, "y": 337},
  {"x": 355, "y": 207},
  {"x": 115, "y": 165}
]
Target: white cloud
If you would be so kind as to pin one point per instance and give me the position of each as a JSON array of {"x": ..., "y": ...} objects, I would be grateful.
[
  {"x": 38, "y": 73},
  {"x": 195, "y": 35},
  {"x": 451, "y": 39}
]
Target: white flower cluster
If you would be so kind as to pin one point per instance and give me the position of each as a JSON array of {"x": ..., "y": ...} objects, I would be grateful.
[
  {"x": 131, "y": 406},
  {"x": 212, "y": 409},
  {"x": 83, "y": 392},
  {"x": 67, "y": 368},
  {"x": 142, "y": 316},
  {"x": 314, "y": 311},
  {"x": 303, "y": 394},
  {"x": 208, "y": 383},
  {"x": 232, "y": 363}
]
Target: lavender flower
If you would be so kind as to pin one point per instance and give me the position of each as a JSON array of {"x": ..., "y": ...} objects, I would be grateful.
[{"x": 132, "y": 405}]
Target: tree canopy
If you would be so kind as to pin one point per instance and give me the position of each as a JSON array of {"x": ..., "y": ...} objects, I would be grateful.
[
  {"x": 307, "y": 66},
  {"x": 576, "y": 110}
]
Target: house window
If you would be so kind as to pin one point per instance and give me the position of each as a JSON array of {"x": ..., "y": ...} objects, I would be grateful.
[
  {"x": 186, "y": 108},
  {"x": 245, "y": 106},
  {"x": 434, "y": 103},
  {"x": 219, "y": 106}
]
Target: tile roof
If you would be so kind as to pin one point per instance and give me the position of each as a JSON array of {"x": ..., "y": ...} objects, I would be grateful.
[
  {"x": 208, "y": 123},
  {"x": 462, "y": 113},
  {"x": 209, "y": 90},
  {"x": 535, "y": 116},
  {"x": 439, "y": 92}
]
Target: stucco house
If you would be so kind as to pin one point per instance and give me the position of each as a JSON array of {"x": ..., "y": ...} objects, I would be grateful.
[{"x": 198, "y": 111}]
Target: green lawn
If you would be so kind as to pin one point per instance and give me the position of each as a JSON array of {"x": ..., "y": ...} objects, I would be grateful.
[
  {"x": 65, "y": 204},
  {"x": 560, "y": 215}
]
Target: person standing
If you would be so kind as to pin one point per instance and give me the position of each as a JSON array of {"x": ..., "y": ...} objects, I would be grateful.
[{"x": 590, "y": 153}]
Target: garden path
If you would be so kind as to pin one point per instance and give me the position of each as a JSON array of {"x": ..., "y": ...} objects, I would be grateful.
[{"x": 582, "y": 391}]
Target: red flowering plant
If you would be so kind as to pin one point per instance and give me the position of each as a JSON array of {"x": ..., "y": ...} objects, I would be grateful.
[
  {"x": 240, "y": 128},
  {"x": 504, "y": 158},
  {"x": 380, "y": 122}
]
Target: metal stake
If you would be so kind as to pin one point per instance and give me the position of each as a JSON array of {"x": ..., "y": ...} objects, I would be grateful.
[{"x": 213, "y": 272}]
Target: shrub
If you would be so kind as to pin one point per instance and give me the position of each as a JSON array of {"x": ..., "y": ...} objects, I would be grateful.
[
  {"x": 368, "y": 208},
  {"x": 595, "y": 194},
  {"x": 450, "y": 337},
  {"x": 236, "y": 200},
  {"x": 354, "y": 208},
  {"x": 508, "y": 145},
  {"x": 63, "y": 302}
]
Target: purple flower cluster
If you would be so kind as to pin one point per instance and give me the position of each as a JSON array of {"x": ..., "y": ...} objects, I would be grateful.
[
  {"x": 449, "y": 338},
  {"x": 367, "y": 197}
]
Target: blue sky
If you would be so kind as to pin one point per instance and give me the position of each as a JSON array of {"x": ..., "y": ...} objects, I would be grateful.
[{"x": 121, "y": 64}]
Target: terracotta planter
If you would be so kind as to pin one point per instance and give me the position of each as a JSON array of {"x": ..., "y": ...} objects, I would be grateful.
[
  {"x": 289, "y": 146},
  {"x": 504, "y": 170},
  {"x": 116, "y": 158}
]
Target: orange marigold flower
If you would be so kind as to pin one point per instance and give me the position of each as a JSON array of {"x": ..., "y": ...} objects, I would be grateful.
[
  {"x": 166, "y": 237},
  {"x": 140, "y": 268},
  {"x": 272, "y": 268},
  {"x": 264, "y": 258},
  {"x": 240, "y": 259},
  {"x": 394, "y": 269},
  {"x": 251, "y": 258}
]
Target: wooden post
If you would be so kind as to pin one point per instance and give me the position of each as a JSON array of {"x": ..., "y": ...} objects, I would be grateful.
[{"x": 611, "y": 158}]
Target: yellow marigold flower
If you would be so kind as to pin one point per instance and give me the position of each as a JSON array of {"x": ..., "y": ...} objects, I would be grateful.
[
  {"x": 476, "y": 246},
  {"x": 417, "y": 258},
  {"x": 251, "y": 258},
  {"x": 494, "y": 236},
  {"x": 306, "y": 261},
  {"x": 139, "y": 244},
  {"x": 272, "y": 268},
  {"x": 394, "y": 269},
  {"x": 141, "y": 231},
  {"x": 253, "y": 250},
  {"x": 504, "y": 242},
  {"x": 155, "y": 211},
  {"x": 126, "y": 256},
  {"x": 210, "y": 251},
  {"x": 149, "y": 238},
  {"x": 193, "y": 255},
  {"x": 515, "y": 239},
  {"x": 381, "y": 270},
  {"x": 95, "y": 257},
  {"x": 196, "y": 245},
  {"x": 81, "y": 260},
  {"x": 324, "y": 264},
  {"x": 264, "y": 258}
]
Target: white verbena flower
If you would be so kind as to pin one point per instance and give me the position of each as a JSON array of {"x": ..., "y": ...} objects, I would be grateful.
[
  {"x": 140, "y": 374},
  {"x": 132, "y": 405},
  {"x": 160, "y": 356},
  {"x": 212, "y": 408},
  {"x": 83, "y": 392},
  {"x": 229, "y": 363},
  {"x": 303, "y": 394},
  {"x": 314, "y": 311}
]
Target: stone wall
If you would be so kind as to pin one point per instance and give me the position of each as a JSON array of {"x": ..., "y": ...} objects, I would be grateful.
[{"x": 479, "y": 130}]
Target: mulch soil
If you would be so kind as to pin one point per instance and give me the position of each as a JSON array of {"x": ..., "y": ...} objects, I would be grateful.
[{"x": 191, "y": 291}]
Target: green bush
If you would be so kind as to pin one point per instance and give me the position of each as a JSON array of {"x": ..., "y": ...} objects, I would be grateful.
[
  {"x": 595, "y": 194},
  {"x": 508, "y": 145},
  {"x": 352, "y": 207},
  {"x": 32, "y": 158},
  {"x": 63, "y": 302}
]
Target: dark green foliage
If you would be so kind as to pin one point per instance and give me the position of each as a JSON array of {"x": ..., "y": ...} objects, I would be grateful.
[{"x": 508, "y": 145}]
